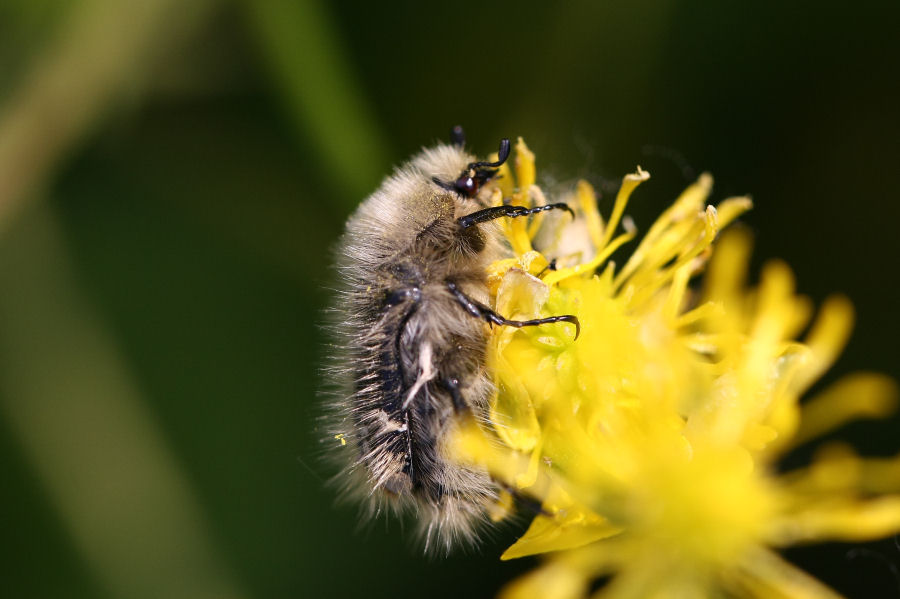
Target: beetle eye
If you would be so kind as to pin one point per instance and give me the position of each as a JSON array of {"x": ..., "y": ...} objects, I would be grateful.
[
  {"x": 467, "y": 185},
  {"x": 476, "y": 174}
]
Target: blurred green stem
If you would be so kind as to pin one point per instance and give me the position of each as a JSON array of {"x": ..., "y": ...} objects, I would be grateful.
[
  {"x": 307, "y": 59},
  {"x": 103, "y": 48},
  {"x": 82, "y": 424}
]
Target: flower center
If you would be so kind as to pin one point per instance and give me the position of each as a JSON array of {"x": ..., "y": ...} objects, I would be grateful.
[{"x": 706, "y": 508}]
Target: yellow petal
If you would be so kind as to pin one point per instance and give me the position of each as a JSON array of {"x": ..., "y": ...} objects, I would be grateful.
[
  {"x": 547, "y": 534},
  {"x": 629, "y": 184},
  {"x": 506, "y": 183},
  {"x": 587, "y": 200},
  {"x": 859, "y": 395},
  {"x": 503, "y": 507},
  {"x": 588, "y": 268},
  {"x": 513, "y": 416},
  {"x": 765, "y": 575},
  {"x": 517, "y": 228},
  {"x": 727, "y": 274},
  {"x": 880, "y": 475},
  {"x": 554, "y": 580},
  {"x": 842, "y": 521},
  {"x": 525, "y": 169},
  {"x": 835, "y": 472},
  {"x": 470, "y": 444},
  {"x": 686, "y": 207},
  {"x": 521, "y": 295},
  {"x": 732, "y": 208},
  {"x": 536, "y": 198},
  {"x": 826, "y": 339},
  {"x": 839, "y": 473}
]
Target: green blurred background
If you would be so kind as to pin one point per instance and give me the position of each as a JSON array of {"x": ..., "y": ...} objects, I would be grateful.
[{"x": 173, "y": 176}]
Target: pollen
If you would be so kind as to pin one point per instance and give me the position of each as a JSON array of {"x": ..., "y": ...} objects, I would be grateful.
[{"x": 652, "y": 441}]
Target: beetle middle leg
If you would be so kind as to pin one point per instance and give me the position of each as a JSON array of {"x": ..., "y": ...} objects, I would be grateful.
[{"x": 479, "y": 310}]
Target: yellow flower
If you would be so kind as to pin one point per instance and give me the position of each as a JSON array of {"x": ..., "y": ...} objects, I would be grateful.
[{"x": 651, "y": 440}]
